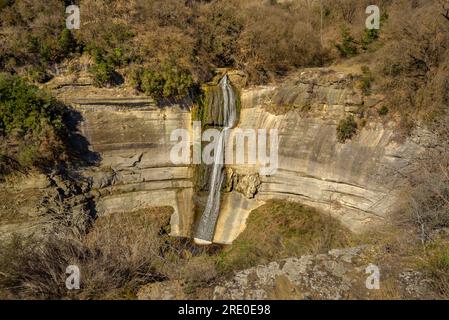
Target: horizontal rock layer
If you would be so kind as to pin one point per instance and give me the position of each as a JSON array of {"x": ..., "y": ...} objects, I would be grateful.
[
  {"x": 358, "y": 181},
  {"x": 135, "y": 171}
]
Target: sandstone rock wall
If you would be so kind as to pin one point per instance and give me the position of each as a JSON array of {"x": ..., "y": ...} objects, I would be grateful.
[
  {"x": 135, "y": 171},
  {"x": 358, "y": 182}
]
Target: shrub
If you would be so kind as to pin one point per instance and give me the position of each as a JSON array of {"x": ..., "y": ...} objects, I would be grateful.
[
  {"x": 383, "y": 111},
  {"x": 368, "y": 37},
  {"x": 371, "y": 35},
  {"x": 416, "y": 61},
  {"x": 39, "y": 74},
  {"x": 165, "y": 82},
  {"x": 152, "y": 83},
  {"x": 366, "y": 81},
  {"x": 275, "y": 40},
  {"x": 427, "y": 208},
  {"x": 31, "y": 115},
  {"x": 346, "y": 129},
  {"x": 25, "y": 108},
  {"x": 5, "y": 3},
  {"x": 103, "y": 74},
  {"x": 348, "y": 45},
  {"x": 436, "y": 265},
  {"x": 218, "y": 30},
  {"x": 67, "y": 43}
]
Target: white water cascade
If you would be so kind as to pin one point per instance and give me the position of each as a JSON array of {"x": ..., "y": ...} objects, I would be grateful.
[{"x": 206, "y": 227}]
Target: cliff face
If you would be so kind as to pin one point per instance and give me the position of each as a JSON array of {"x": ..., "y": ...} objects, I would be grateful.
[
  {"x": 357, "y": 181},
  {"x": 135, "y": 171}
]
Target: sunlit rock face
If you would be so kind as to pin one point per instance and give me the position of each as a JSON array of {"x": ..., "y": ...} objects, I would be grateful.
[
  {"x": 358, "y": 182},
  {"x": 135, "y": 170}
]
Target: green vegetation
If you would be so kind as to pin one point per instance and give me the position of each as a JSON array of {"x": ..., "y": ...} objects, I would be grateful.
[
  {"x": 167, "y": 81},
  {"x": 171, "y": 44},
  {"x": 436, "y": 265},
  {"x": 102, "y": 74},
  {"x": 5, "y": 3},
  {"x": 348, "y": 46},
  {"x": 346, "y": 129},
  {"x": 31, "y": 115},
  {"x": 67, "y": 43},
  {"x": 192, "y": 38},
  {"x": 383, "y": 111},
  {"x": 366, "y": 81}
]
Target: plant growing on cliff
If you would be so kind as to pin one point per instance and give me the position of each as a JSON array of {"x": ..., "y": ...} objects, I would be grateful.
[
  {"x": 168, "y": 81},
  {"x": 102, "y": 74},
  {"x": 366, "y": 81},
  {"x": 346, "y": 129}
]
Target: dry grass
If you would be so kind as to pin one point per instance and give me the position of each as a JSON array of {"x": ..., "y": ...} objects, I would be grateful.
[
  {"x": 281, "y": 229},
  {"x": 435, "y": 263},
  {"x": 119, "y": 254},
  {"x": 122, "y": 252}
]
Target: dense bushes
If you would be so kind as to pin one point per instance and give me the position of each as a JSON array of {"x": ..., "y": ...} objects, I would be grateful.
[
  {"x": 263, "y": 39},
  {"x": 414, "y": 62},
  {"x": 29, "y": 114},
  {"x": 34, "y": 34},
  {"x": 163, "y": 82},
  {"x": 102, "y": 74},
  {"x": 346, "y": 129},
  {"x": 348, "y": 46}
]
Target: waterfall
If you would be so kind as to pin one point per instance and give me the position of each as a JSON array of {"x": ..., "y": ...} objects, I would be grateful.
[{"x": 206, "y": 227}]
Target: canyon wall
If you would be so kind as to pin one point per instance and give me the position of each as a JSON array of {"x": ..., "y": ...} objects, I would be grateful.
[
  {"x": 357, "y": 181},
  {"x": 135, "y": 171}
]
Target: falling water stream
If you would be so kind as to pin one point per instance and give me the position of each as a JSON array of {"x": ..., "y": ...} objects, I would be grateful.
[{"x": 206, "y": 226}]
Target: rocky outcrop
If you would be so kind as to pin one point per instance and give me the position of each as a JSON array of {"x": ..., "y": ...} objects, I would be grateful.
[
  {"x": 248, "y": 185},
  {"x": 37, "y": 204},
  {"x": 339, "y": 274}
]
